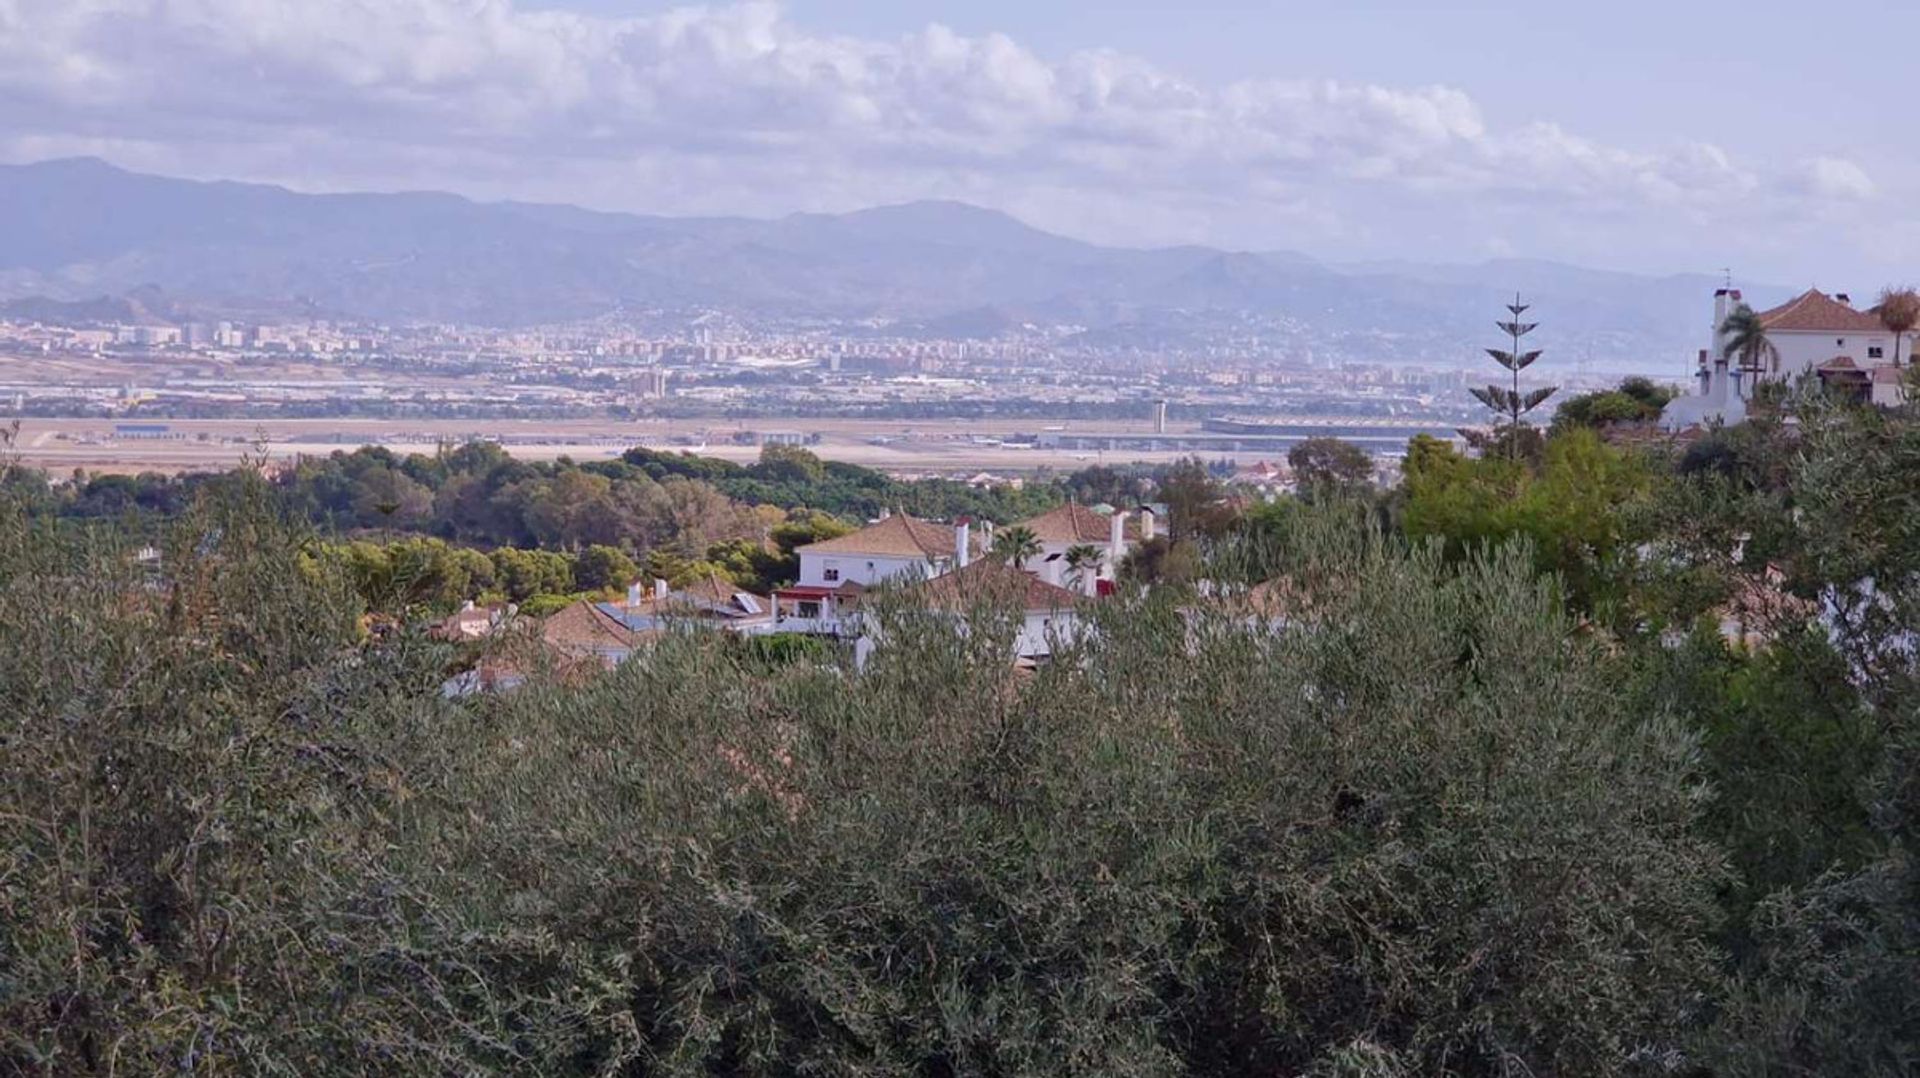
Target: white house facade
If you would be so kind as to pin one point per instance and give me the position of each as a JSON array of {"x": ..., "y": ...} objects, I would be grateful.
[
  {"x": 1073, "y": 525},
  {"x": 1811, "y": 334},
  {"x": 834, "y": 572},
  {"x": 1049, "y": 613},
  {"x": 1813, "y": 330}
]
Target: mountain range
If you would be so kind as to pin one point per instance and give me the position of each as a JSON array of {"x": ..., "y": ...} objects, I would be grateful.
[{"x": 81, "y": 231}]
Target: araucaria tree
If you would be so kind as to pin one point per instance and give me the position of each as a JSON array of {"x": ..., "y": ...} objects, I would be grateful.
[{"x": 1510, "y": 403}]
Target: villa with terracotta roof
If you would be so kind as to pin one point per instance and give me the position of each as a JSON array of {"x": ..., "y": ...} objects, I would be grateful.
[
  {"x": 1813, "y": 333},
  {"x": 1813, "y": 330},
  {"x": 1050, "y": 613},
  {"x": 583, "y": 631},
  {"x": 712, "y": 603},
  {"x": 895, "y": 547},
  {"x": 1071, "y": 525},
  {"x": 578, "y": 639}
]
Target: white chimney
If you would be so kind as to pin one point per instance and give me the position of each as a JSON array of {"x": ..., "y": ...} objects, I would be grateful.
[
  {"x": 1723, "y": 304},
  {"x": 659, "y": 588},
  {"x": 466, "y": 606},
  {"x": 635, "y": 593},
  {"x": 1117, "y": 537},
  {"x": 1845, "y": 300},
  {"x": 962, "y": 543},
  {"x": 1148, "y": 521},
  {"x": 1090, "y": 579},
  {"x": 886, "y": 513}
]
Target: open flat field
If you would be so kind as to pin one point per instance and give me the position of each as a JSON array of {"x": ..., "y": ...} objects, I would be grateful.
[{"x": 910, "y": 447}]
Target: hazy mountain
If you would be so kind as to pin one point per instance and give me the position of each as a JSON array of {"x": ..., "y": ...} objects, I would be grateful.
[{"x": 80, "y": 229}]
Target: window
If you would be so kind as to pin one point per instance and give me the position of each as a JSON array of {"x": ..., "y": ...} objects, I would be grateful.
[
  {"x": 830, "y": 574},
  {"x": 1874, "y": 351},
  {"x": 808, "y": 609},
  {"x": 1840, "y": 342}
]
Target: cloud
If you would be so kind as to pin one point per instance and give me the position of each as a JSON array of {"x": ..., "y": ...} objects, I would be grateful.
[
  {"x": 739, "y": 109},
  {"x": 1835, "y": 179}
]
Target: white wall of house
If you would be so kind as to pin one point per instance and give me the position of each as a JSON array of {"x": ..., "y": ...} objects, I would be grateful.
[
  {"x": 1105, "y": 569},
  {"x": 828, "y": 570},
  {"x": 1111, "y": 552},
  {"x": 1801, "y": 350},
  {"x": 1042, "y": 629},
  {"x": 1039, "y": 632}
]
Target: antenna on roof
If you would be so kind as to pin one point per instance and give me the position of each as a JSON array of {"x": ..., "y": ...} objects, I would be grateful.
[{"x": 1726, "y": 277}]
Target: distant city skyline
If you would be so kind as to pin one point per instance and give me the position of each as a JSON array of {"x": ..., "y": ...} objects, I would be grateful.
[{"x": 1651, "y": 139}]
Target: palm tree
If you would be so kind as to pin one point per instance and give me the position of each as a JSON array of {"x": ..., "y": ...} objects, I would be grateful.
[
  {"x": 1081, "y": 558},
  {"x": 1899, "y": 310},
  {"x": 1747, "y": 338},
  {"x": 1015, "y": 545}
]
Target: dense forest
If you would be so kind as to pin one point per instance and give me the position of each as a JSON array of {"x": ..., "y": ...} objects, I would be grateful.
[
  {"x": 1596, "y": 758},
  {"x": 473, "y": 522}
]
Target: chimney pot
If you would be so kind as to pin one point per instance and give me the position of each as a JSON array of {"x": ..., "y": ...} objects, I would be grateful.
[
  {"x": 1844, "y": 298},
  {"x": 659, "y": 588},
  {"x": 962, "y": 543}
]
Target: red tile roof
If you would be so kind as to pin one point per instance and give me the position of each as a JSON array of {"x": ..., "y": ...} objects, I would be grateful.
[
  {"x": 1815, "y": 311},
  {"x": 898, "y": 536},
  {"x": 1075, "y": 523},
  {"x": 988, "y": 581},
  {"x": 585, "y": 628}
]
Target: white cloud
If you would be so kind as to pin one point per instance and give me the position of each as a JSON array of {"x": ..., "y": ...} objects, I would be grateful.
[
  {"x": 1836, "y": 179},
  {"x": 739, "y": 109}
]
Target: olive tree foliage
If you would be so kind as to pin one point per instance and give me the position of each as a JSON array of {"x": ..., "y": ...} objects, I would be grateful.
[
  {"x": 1411, "y": 830},
  {"x": 1831, "y": 987},
  {"x": 190, "y": 766}
]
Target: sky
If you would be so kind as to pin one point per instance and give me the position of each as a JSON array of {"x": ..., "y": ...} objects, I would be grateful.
[{"x": 1768, "y": 139}]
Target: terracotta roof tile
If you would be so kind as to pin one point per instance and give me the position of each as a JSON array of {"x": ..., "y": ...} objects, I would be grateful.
[
  {"x": 898, "y": 536},
  {"x": 991, "y": 580},
  {"x": 1075, "y": 523},
  {"x": 1815, "y": 311},
  {"x": 584, "y": 627}
]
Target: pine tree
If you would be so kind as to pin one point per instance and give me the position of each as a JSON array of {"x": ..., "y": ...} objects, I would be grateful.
[{"x": 1511, "y": 402}]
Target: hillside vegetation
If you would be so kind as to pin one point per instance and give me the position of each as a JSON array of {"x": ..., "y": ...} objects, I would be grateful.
[{"x": 1494, "y": 796}]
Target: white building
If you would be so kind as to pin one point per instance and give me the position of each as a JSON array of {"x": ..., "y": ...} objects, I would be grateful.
[
  {"x": 1813, "y": 333},
  {"x": 834, "y": 572},
  {"x": 1049, "y": 614},
  {"x": 1813, "y": 330},
  {"x": 1071, "y": 525}
]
